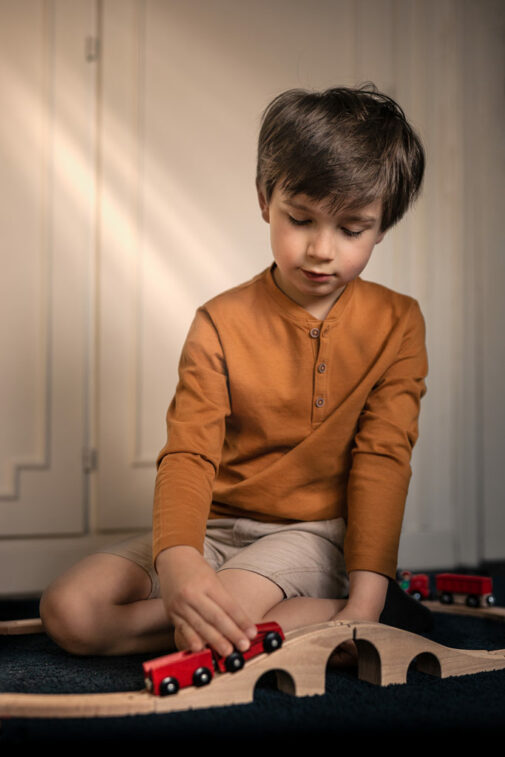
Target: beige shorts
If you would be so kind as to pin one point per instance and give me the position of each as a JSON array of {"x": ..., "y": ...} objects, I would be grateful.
[{"x": 305, "y": 559}]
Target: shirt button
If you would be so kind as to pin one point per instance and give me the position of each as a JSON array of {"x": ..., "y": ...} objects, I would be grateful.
[
  {"x": 314, "y": 333},
  {"x": 319, "y": 402},
  {"x": 321, "y": 367}
]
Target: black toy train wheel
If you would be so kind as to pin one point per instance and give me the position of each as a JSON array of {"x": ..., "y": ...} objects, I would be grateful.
[
  {"x": 472, "y": 601},
  {"x": 446, "y": 598},
  {"x": 169, "y": 686},
  {"x": 272, "y": 641},
  {"x": 234, "y": 662},
  {"x": 202, "y": 676}
]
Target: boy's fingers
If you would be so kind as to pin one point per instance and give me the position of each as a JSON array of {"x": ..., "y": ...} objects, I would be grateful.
[
  {"x": 198, "y": 599},
  {"x": 206, "y": 620},
  {"x": 234, "y": 611},
  {"x": 214, "y": 625},
  {"x": 197, "y": 627},
  {"x": 186, "y": 637},
  {"x": 228, "y": 616}
]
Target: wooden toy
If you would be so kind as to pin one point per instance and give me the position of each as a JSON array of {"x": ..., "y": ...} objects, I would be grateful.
[
  {"x": 384, "y": 657},
  {"x": 18, "y": 627},
  {"x": 415, "y": 584},
  {"x": 166, "y": 675},
  {"x": 474, "y": 591}
]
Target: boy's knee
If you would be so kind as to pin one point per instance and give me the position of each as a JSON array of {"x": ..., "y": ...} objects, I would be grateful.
[{"x": 70, "y": 621}]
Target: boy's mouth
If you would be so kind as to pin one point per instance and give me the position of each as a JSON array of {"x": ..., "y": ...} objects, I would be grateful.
[{"x": 315, "y": 276}]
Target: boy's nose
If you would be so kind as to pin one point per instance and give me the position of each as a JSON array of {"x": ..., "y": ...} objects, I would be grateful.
[{"x": 321, "y": 248}]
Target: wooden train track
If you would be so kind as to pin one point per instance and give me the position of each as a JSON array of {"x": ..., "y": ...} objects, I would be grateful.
[{"x": 384, "y": 657}]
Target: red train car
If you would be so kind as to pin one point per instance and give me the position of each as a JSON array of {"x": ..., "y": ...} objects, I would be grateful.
[
  {"x": 166, "y": 675},
  {"x": 474, "y": 591},
  {"x": 415, "y": 584}
]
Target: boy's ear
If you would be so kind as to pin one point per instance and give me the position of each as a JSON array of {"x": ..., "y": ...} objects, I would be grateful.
[{"x": 264, "y": 206}]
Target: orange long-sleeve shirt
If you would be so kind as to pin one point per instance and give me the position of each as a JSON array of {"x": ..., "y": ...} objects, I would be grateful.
[{"x": 278, "y": 416}]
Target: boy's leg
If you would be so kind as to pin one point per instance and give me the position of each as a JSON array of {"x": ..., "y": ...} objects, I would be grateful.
[
  {"x": 109, "y": 603},
  {"x": 307, "y": 561},
  {"x": 104, "y": 604},
  {"x": 302, "y": 562},
  {"x": 290, "y": 614},
  {"x": 256, "y": 593},
  {"x": 265, "y": 601},
  {"x": 101, "y": 606}
]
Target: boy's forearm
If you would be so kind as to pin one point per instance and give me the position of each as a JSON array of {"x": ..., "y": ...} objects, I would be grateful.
[{"x": 367, "y": 594}]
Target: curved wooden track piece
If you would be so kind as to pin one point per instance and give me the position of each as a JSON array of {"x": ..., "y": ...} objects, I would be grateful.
[
  {"x": 488, "y": 613},
  {"x": 384, "y": 656},
  {"x": 15, "y": 627}
]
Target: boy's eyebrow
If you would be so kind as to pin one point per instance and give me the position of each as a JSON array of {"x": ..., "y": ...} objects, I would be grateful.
[
  {"x": 359, "y": 218},
  {"x": 351, "y": 217},
  {"x": 298, "y": 206}
]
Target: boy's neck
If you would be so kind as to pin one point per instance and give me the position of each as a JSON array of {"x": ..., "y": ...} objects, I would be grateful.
[{"x": 319, "y": 308}]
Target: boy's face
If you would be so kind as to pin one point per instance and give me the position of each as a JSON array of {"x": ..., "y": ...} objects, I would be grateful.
[{"x": 318, "y": 252}]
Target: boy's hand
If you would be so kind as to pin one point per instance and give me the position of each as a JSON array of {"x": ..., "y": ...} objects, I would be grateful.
[
  {"x": 367, "y": 595},
  {"x": 346, "y": 654},
  {"x": 367, "y": 592},
  {"x": 198, "y": 606}
]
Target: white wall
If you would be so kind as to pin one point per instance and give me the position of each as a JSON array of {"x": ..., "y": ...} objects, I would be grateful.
[{"x": 139, "y": 177}]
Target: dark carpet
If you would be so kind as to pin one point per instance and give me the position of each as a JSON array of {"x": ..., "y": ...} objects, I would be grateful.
[{"x": 464, "y": 708}]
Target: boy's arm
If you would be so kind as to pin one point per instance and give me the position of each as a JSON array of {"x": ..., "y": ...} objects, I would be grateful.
[
  {"x": 196, "y": 423},
  {"x": 194, "y": 598},
  {"x": 367, "y": 595},
  {"x": 380, "y": 470}
]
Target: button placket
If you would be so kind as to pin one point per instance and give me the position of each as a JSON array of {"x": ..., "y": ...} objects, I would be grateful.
[{"x": 320, "y": 394}]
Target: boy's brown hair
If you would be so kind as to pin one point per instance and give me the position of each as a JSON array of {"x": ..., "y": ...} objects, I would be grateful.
[{"x": 348, "y": 146}]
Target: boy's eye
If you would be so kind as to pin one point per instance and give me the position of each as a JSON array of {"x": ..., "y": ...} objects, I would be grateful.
[
  {"x": 297, "y": 222},
  {"x": 350, "y": 233}
]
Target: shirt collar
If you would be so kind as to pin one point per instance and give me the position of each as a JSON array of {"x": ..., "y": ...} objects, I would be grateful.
[{"x": 296, "y": 312}]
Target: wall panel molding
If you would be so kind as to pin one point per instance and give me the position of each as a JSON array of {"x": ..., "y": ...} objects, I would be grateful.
[{"x": 48, "y": 199}]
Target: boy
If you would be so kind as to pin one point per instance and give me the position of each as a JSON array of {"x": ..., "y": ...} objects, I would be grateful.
[{"x": 280, "y": 491}]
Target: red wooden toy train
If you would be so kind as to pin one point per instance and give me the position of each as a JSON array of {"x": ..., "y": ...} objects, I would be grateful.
[
  {"x": 474, "y": 591},
  {"x": 166, "y": 675}
]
